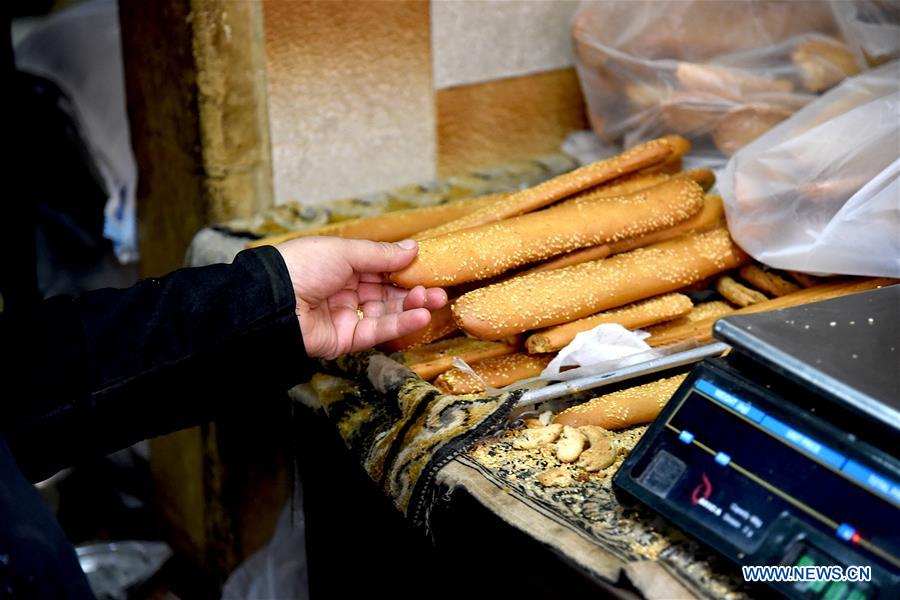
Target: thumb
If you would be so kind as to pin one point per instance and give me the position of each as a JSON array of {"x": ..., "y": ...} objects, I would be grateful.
[{"x": 378, "y": 257}]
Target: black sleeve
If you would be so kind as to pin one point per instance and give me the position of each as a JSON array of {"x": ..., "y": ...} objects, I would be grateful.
[{"x": 91, "y": 375}]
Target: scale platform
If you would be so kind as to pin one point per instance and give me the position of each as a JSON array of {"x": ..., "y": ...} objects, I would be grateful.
[{"x": 787, "y": 451}]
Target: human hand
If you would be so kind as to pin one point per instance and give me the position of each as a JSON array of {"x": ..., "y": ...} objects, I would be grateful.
[{"x": 333, "y": 278}]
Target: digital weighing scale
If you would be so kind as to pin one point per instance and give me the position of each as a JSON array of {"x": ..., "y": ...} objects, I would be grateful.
[{"x": 787, "y": 451}]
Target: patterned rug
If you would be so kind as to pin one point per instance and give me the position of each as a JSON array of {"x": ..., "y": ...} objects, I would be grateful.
[
  {"x": 401, "y": 428},
  {"x": 582, "y": 518}
]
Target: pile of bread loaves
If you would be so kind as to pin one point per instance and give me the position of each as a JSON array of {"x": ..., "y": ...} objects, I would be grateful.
[{"x": 617, "y": 241}]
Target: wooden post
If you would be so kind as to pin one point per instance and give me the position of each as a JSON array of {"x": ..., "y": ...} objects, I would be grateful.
[{"x": 195, "y": 83}]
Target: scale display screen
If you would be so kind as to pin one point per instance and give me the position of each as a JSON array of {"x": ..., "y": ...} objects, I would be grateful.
[{"x": 746, "y": 472}]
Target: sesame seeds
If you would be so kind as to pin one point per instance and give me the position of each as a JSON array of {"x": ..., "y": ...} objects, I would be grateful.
[
  {"x": 638, "y": 314},
  {"x": 496, "y": 372},
  {"x": 638, "y": 404},
  {"x": 518, "y": 203},
  {"x": 559, "y": 296},
  {"x": 482, "y": 252}
]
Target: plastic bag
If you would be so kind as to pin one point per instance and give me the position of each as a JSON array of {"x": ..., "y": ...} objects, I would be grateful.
[
  {"x": 821, "y": 192},
  {"x": 279, "y": 569},
  {"x": 720, "y": 73}
]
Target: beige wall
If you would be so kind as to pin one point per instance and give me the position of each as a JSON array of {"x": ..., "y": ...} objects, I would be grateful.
[
  {"x": 366, "y": 95},
  {"x": 480, "y": 40},
  {"x": 350, "y": 96}
]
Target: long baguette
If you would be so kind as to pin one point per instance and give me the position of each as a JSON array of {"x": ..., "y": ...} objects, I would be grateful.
[
  {"x": 391, "y": 226},
  {"x": 488, "y": 250},
  {"x": 466, "y": 349},
  {"x": 618, "y": 410},
  {"x": 552, "y": 297},
  {"x": 576, "y": 257},
  {"x": 670, "y": 166},
  {"x": 713, "y": 309},
  {"x": 456, "y": 346},
  {"x": 497, "y": 372},
  {"x": 704, "y": 177},
  {"x": 620, "y": 186},
  {"x": 637, "y": 182},
  {"x": 701, "y": 331},
  {"x": 711, "y": 215},
  {"x": 632, "y": 316},
  {"x": 643, "y": 155}
]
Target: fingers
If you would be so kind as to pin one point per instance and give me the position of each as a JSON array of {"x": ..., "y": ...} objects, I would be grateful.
[
  {"x": 435, "y": 298},
  {"x": 431, "y": 298},
  {"x": 371, "y": 278},
  {"x": 373, "y": 292},
  {"x": 415, "y": 298},
  {"x": 375, "y": 330},
  {"x": 377, "y": 257},
  {"x": 418, "y": 297},
  {"x": 377, "y": 309}
]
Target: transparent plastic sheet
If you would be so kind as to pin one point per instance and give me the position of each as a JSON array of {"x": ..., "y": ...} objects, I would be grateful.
[
  {"x": 579, "y": 385},
  {"x": 820, "y": 192},
  {"x": 279, "y": 569},
  {"x": 585, "y": 377},
  {"x": 719, "y": 73},
  {"x": 115, "y": 569}
]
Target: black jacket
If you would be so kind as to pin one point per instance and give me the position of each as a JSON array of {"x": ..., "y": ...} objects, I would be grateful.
[{"x": 83, "y": 377}]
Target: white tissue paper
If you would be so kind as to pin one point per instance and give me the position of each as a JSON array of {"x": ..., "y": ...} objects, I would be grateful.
[{"x": 608, "y": 342}]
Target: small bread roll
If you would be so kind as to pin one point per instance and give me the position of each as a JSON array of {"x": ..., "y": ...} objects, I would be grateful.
[
  {"x": 555, "y": 477},
  {"x": 737, "y": 293},
  {"x": 823, "y": 62},
  {"x": 618, "y": 410},
  {"x": 570, "y": 445},
  {"x": 644, "y": 95},
  {"x": 601, "y": 451},
  {"x": 537, "y": 437},
  {"x": 740, "y": 126},
  {"x": 562, "y": 295},
  {"x": 767, "y": 281},
  {"x": 693, "y": 113},
  {"x": 489, "y": 250},
  {"x": 643, "y": 155},
  {"x": 632, "y": 316},
  {"x": 726, "y": 83}
]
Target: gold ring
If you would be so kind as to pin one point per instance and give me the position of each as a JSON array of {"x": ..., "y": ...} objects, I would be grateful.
[{"x": 359, "y": 313}]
